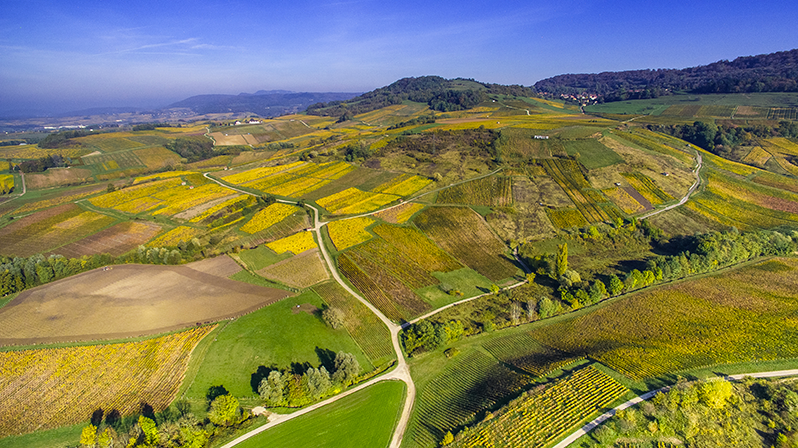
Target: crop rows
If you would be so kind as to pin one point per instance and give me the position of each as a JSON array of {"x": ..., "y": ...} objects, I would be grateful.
[
  {"x": 365, "y": 327},
  {"x": 568, "y": 174},
  {"x": 524, "y": 352},
  {"x": 646, "y": 187},
  {"x": 399, "y": 214},
  {"x": 403, "y": 185},
  {"x": 417, "y": 247},
  {"x": 34, "y": 152},
  {"x": 494, "y": 191},
  {"x": 736, "y": 317},
  {"x": 783, "y": 113},
  {"x": 349, "y": 232},
  {"x": 175, "y": 236},
  {"x": 331, "y": 170},
  {"x": 268, "y": 217},
  {"x": 296, "y": 243},
  {"x": 467, "y": 387},
  {"x": 161, "y": 176},
  {"x": 54, "y": 387},
  {"x": 353, "y": 200},
  {"x": 113, "y": 162},
  {"x": 208, "y": 214},
  {"x": 107, "y": 143},
  {"x": 115, "y": 240},
  {"x": 564, "y": 218},
  {"x": 464, "y": 234},
  {"x": 258, "y": 173},
  {"x": 623, "y": 200},
  {"x": 49, "y": 229},
  {"x": 544, "y": 414},
  {"x": 118, "y": 198},
  {"x": 395, "y": 278},
  {"x": 300, "y": 271},
  {"x": 178, "y": 199},
  {"x": 371, "y": 291},
  {"x": 157, "y": 157}
]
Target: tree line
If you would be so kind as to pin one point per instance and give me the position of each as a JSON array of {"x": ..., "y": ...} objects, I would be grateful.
[
  {"x": 292, "y": 389},
  {"x": 723, "y": 139},
  {"x": 174, "y": 427},
  {"x": 774, "y": 72},
  {"x": 20, "y": 273}
]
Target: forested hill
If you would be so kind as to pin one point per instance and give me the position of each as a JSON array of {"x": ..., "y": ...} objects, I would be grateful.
[
  {"x": 774, "y": 72},
  {"x": 439, "y": 93}
]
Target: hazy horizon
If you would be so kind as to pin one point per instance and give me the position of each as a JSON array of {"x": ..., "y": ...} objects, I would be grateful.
[{"x": 65, "y": 56}]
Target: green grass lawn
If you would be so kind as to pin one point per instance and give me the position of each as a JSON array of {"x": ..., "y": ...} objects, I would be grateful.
[
  {"x": 272, "y": 337},
  {"x": 261, "y": 256},
  {"x": 364, "y": 419},
  {"x": 60, "y": 437},
  {"x": 466, "y": 280},
  {"x": 592, "y": 153}
]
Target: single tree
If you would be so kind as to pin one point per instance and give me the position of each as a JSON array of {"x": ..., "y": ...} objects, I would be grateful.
[
  {"x": 346, "y": 368},
  {"x": 225, "y": 411},
  {"x": 333, "y": 317},
  {"x": 515, "y": 312},
  {"x": 562, "y": 259}
]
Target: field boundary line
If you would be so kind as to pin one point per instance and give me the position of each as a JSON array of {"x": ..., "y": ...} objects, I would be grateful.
[{"x": 593, "y": 424}]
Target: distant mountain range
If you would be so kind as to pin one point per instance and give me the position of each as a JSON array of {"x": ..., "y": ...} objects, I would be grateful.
[
  {"x": 262, "y": 103},
  {"x": 773, "y": 72}
]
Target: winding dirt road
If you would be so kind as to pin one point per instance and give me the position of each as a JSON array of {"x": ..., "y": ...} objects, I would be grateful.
[
  {"x": 697, "y": 174},
  {"x": 400, "y": 373}
]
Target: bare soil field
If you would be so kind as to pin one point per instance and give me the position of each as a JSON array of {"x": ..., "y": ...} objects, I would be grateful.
[
  {"x": 221, "y": 266},
  {"x": 126, "y": 301},
  {"x": 57, "y": 176}
]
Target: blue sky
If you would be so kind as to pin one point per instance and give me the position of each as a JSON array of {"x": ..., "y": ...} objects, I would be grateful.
[{"x": 66, "y": 55}]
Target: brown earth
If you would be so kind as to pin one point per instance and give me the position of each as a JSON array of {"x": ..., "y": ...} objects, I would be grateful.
[
  {"x": 126, "y": 301},
  {"x": 115, "y": 240}
]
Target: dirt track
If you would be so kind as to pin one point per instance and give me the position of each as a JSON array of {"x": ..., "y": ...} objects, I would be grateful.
[{"x": 126, "y": 301}]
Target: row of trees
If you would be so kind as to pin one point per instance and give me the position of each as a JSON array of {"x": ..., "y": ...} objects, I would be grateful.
[
  {"x": 722, "y": 139},
  {"x": 20, "y": 273},
  {"x": 175, "y": 427},
  {"x": 64, "y": 139},
  {"x": 427, "y": 336},
  {"x": 285, "y": 388},
  {"x": 41, "y": 164}
]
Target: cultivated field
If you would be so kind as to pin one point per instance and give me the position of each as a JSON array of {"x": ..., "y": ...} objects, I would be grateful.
[
  {"x": 125, "y": 301},
  {"x": 740, "y": 316},
  {"x": 52, "y": 387}
]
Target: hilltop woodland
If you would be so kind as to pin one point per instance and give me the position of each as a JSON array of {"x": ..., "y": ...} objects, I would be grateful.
[
  {"x": 774, "y": 72},
  {"x": 545, "y": 265}
]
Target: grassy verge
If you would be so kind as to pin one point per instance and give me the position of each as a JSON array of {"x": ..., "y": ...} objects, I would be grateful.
[{"x": 366, "y": 418}]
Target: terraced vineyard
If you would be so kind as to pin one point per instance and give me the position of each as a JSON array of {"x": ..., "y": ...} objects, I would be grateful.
[
  {"x": 543, "y": 414},
  {"x": 465, "y": 388}
]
